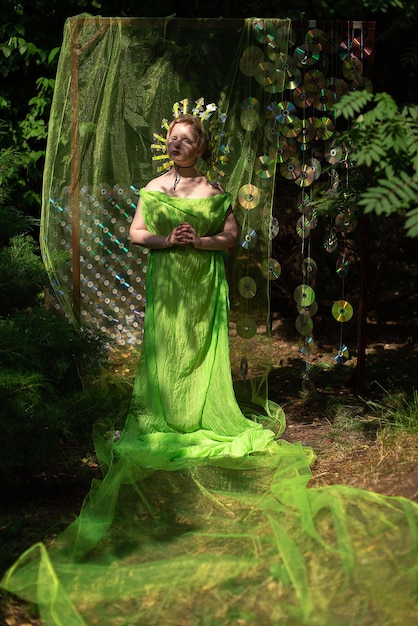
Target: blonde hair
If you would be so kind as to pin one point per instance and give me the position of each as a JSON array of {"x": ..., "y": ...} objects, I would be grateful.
[{"x": 199, "y": 129}]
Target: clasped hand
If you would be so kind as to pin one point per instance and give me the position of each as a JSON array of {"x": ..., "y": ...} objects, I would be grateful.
[{"x": 183, "y": 235}]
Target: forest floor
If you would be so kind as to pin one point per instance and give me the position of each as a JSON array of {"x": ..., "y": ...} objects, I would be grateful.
[{"x": 342, "y": 426}]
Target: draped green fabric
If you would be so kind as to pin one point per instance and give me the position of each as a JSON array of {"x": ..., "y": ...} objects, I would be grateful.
[{"x": 204, "y": 516}]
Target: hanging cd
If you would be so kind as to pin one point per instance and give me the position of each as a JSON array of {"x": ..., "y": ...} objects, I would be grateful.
[
  {"x": 342, "y": 311},
  {"x": 324, "y": 127},
  {"x": 306, "y": 345},
  {"x": 337, "y": 86},
  {"x": 265, "y": 73},
  {"x": 310, "y": 310},
  {"x": 307, "y": 131},
  {"x": 309, "y": 268},
  {"x": 333, "y": 154},
  {"x": 324, "y": 100},
  {"x": 352, "y": 68},
  {"x": 330, "y": 241},
  {"x": 342, "y": 355},
  {"x": 306, "y": 176},
  {"x": 274, "y": 227},
  {"x": 316, "y": 166},
  {"x": 251, "y": 104},
  {"x": 362, "y": 48},
  {"x": 293, "y": 80},
  {"x": 330, "y": 42},
  {"x": 285, "y": 112},
  {"x": 286, "y": 148},
  {"x": 315, "y": 36},
  {"x": 291, "y": 168},
  {"x": 342, "y": 266},
  {"x": 249, "y": 240},
  {"x": 304, "y": 295},
  {"x": 271, "y": 269},
  {"x": 314, "y": 81},
  {"x": 291, "y": 130},
  {"x": 345, "y": 222},
  {"x": 361, "y": 83},
  {"x": 301, "y": 98},
  {"x": 264, "y": 166},
  {"x": 249, "y": 196},
  {"x": 264, "y": 31},
  {"x": 247, "y": 287},
  {"x": 304, "y": 325},
  {"x": 251, "y": 57},
  {"x": 307, "y": 54},
  {"x": 246, "y": 327},
  {"x": 345, "y": 49},
  {"x": 304, "y": 205},
  {"x": 250, "y": 119}
]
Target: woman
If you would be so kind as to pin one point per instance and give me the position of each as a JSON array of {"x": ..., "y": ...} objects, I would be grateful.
[{"x": 183, "y": 386}]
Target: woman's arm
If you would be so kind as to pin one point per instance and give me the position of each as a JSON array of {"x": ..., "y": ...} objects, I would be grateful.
[
  {"x": 140, "y": 235},
  {"x": 223, "y": 240}
]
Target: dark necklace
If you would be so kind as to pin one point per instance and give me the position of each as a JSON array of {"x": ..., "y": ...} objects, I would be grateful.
[{"x": 177, "y": 177}]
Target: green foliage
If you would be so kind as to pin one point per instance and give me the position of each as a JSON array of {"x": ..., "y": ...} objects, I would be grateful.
[
  {"x": 383, "y": 139},
  {"x": 396, "y": 410}
]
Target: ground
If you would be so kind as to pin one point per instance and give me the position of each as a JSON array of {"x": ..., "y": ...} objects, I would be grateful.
[{"x": 338, "y": 423}]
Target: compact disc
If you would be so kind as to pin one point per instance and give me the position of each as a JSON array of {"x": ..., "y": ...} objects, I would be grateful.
[
  {"x": 330, "y": 241},
  {"x": 342, "y": 266},
  {"x": 362, "y": 48},
  {"x": 342, "y": 355},
  {"x": 345, "y": 222},
  {"x": 315, "y": 36},
  {"x": 264, "y": 31},
  {"x": 303, "y": 227},
  {"x": 337, "y": 86},
  {"x": 330, "y": 42},
  {"x": 265, "y": 73},
  {"x": 316, "y": 166},
  {"x": 307, "y": 54},
  {"x": 309, "y": 268},
  {"x": 285, "y": 112},
  {"x": 345, "y": 49},
  {"x": 304, "y": 325},
  {"x": 251, "y": 57},
  {"x": 352, "y": 68},
  {"x": 310, "y": 310},
  {"x": 306, "y": 345},
  {"x": 304, "y": 295},
  {"x": 286, "y": 64},
  {"x": 246, "y": 327},
  {"x": 291, "y": 168},
  {"x": 307, "y": 131},
  {"x": 264, "y": 166},
  {"x": 247, "y": 287},
  {"x": 249, "y": 196},
  {"x": 324, "y": 127},
  {"x": 333, "y": 154},
  {"x": 274, "y": 227},
  {"x": 306, "y": 176},
  {"x": 324, "y": 100},
  {"x": 293, "y": 129},
  {"x": 342, "y": 311},
  {"x": 304, "y": 205},
  {"x": 286, "y": 148},
  {"x": 361, "y": 83},
  {"x": 249, "y": 239},
  {"x": 293, "y": 79},
  {"x": 271, "y": 269},
  {"x": 250, "y": 119},
  {"x": 314, "y": 81},
  {"x": 250, "y": 103},
  {"x": 302, "y": 98}
]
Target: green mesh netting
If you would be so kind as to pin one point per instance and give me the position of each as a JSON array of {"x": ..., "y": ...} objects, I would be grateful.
[{"x": 234, "y": 536}]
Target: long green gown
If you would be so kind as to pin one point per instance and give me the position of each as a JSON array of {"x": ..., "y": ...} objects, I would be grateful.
[{"x": 183, "y": 401}]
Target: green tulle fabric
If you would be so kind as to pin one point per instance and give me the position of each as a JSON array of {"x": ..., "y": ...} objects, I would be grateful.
[{"x": 204, "y": 516}]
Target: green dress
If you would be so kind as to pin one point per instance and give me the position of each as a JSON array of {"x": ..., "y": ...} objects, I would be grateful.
[{"x": 183, "y": 402}]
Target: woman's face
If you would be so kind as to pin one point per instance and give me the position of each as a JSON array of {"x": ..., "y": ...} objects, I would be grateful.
[{"x": 182, "y": 145}]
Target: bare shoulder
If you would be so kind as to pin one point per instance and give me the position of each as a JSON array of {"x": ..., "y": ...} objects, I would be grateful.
[{"x": 157, "y": 184}]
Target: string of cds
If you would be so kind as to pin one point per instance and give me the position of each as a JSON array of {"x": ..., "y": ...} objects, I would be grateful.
[{"x": 304, "y": 71}]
